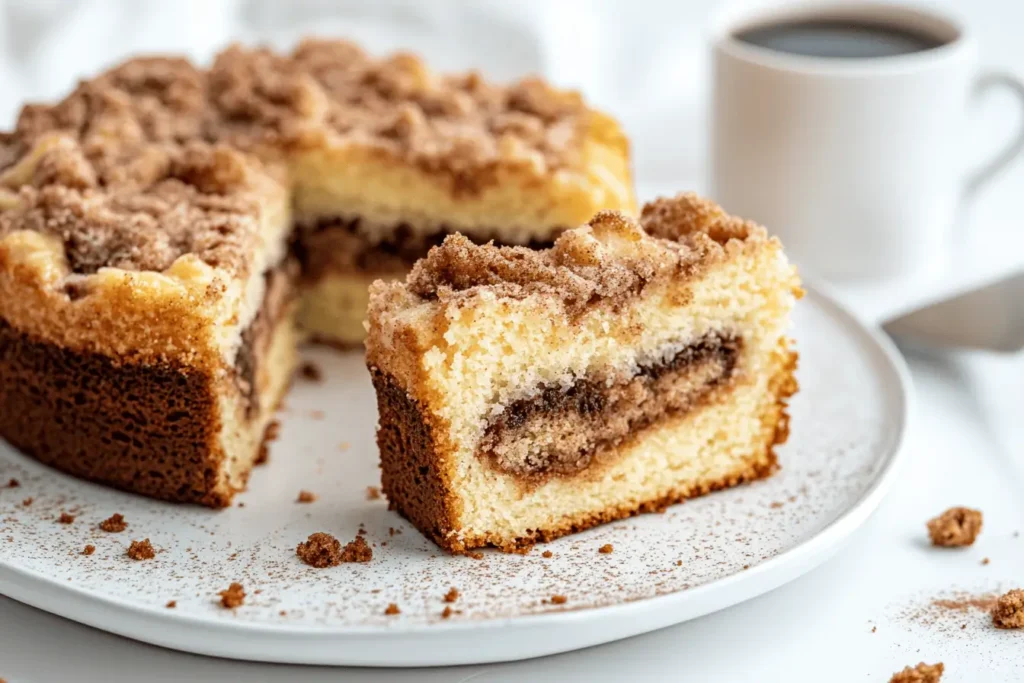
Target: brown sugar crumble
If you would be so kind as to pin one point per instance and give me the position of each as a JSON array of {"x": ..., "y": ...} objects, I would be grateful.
[
  {"x": 452, "y": 595},
  {"x": 171, "y": 604},
  {"x": 922, "y": 673},
  {"x": 392, "y": 609},
  {"x": 546, "y": 553},
  {"x": 311, "y": 371},
  {"x": 65, "y": 518},
  {"x": 114, "y": 524},
  {"x": 320, "y": 550},
  {"x": 559, "y": 599},
  {"x": 357, "y": 550},
  {"x": 956, "y": 527},
  {"x": 372, "y": 493},
  {"x": 1008, "y": 611},
  {"x": 141, "y": 550},
  {"x": 306, "y": 497},
  {"x": 606, "y": 549},
  {"x": 88, "y": 550},
  {"x": 233, "y": 597}
]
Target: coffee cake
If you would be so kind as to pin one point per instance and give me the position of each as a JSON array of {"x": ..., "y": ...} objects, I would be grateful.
[
  {"x": 169, "y": 233},
  {"x": 524, "y": 394}
]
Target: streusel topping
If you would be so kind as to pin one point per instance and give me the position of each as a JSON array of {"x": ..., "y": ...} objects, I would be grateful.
[
  {"x": 612, "y": 257},
  {"x": 151, "y": 160}
]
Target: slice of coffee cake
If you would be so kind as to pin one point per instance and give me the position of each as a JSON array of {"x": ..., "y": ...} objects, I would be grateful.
[{"x": 525, "y": 394}]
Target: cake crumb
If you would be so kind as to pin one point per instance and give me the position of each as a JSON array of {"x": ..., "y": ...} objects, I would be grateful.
[
  {"x": 88, "y": 550},
  {"x": 13, "y": 483},
  {"x": 558, "y": 599},
  {"x": 233, "y": 597},
  {"x": 679, "y": 563},
  {"x": 320, "y": 550},
  {"x": 874, "y": 629},
  {"x": 357, "y": 551},
  {"x": 27, "y": 501},
  {"x": 114, "y": 524},
  {"x": 985, "y": 561},
  {"x": 452, "y": 595},
  {"x": 65, "y": 518},
  {"x": 392, "y": 531},
  {"x": 372, "y": 493},
  {"x": 141, "y": 550},
  {"x": 272, "y": 431},
  {"x": 922, "y": 673},
  {"x": 311, "y": 371},
  {"x": 446, "y": 612},
  {"x": 171, "y": 604},
  {"x": 606, "y": 549},
  {"x": 476, "y": 555},
  {"x": 392, "y": 610},
  {"x": 344, "y": 446},
  {"x": 1009, "y": 610},
  {"x": 306, "y": 497},
  {"x": 956, "y": 527},
  {"x": 546, "y": 553}
]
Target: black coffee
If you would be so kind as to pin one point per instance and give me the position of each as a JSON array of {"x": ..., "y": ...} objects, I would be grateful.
[{"x": 838, "y": 39}]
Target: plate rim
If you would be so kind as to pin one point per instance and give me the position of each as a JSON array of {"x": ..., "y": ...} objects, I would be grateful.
[{"x": 299, "y": 644}]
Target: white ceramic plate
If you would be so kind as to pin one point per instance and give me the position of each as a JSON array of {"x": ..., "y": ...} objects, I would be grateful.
[{"x": 848, "y": 422}]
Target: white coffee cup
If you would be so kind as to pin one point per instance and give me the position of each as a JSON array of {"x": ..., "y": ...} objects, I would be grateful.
[{"x": 857, "y": 164}]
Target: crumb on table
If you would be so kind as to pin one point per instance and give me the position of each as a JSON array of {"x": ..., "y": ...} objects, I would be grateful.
[
  {"x": 357, "y": 550},
  {"x": 114, "y": 524},
  {"x": 559, "y": 599},
  {"x": 171, "y": 604},
  {"x": 65, "y": 518},
  {"x": 372, "y": 493},
  {"x": 141, "y": 550},
  {"x": 1008, "y": 611},
  {"x": 452, "y": 595},
  {"x": 233, "y": 596},
  {"x": 392, "y": 609},
  {"x": 606, "y": 549},
  {"x": 922, "y": 673},
  {"x": 13, "y": 483},
  {"x": 88, "y": 550},
  {"x": 955, "y": 527},
  {"x": 306, "y": 497},
  {"x": 320, "y": 550},
  {"x": 546, "y": 553},
  {"x": 311, "y": 371}
]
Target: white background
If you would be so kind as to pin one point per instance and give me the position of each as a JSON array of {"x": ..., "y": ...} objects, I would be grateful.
[{"x": 646, "y": 62}]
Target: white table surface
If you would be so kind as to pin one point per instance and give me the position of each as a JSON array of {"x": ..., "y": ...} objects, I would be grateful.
[{"x": 966, "y": 446}]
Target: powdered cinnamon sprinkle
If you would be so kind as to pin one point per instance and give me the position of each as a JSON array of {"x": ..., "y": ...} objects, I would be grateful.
[
  {"x": 1008, "y": 611},
  {"x": 955, "y": 527},
  {"x": 13, "y": 483},
  {"x": 306, "y": 497},
  {"x": 320, "y": 550},
  {"x": 558, "y": 599},
  {"x": 88, "y": 550},
  {"x": 372, "y": 493},
  {"x": 171, "y": 604},
  {"x": 141, "y": 550},
  {"x": 114, "y": 524},
  {"x": 452, "y": 595},
  {"x": 311, "y": 371},
  {"x": 606, "y": 549},
  {"x": 922, "y": 673},
  {"x": 357, "y": 551},
  {"x": 392, "y": 610},
  {"x": 65, "y": 518},
  {"x": 233, "y": 597}
]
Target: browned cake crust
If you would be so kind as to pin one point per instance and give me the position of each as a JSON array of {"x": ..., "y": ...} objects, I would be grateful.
[{"x": 416, "y": 470}]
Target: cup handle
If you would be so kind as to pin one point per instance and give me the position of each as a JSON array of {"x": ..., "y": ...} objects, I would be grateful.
[{"x": 985, "y": 83}]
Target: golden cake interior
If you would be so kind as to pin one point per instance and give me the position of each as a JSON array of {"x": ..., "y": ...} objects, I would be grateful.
[
  {"x": 526, "y": 394},
  {"x": 167, "y": 225}
]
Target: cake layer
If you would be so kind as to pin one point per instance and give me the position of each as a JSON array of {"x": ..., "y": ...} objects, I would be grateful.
[
  {"x": 332, "y": 309},
  {"x": 560, "y": 430},
  {"x": 465, "y": 503},
  {"x": 161, "y": 429}
]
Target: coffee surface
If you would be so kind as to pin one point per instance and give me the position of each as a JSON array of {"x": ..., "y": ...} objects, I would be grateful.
[{"x": 837, "y": 39}]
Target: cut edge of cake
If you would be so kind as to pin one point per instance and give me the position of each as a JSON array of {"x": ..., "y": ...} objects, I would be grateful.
[{"x": 629, "y": 342}]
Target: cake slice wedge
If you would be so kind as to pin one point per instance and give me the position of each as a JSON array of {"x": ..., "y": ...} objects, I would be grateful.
[{"x": 525, "y": 394}]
